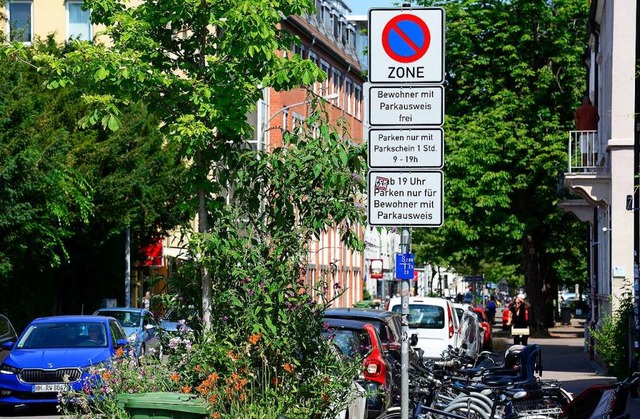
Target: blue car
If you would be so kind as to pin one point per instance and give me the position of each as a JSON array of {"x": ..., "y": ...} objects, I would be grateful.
[
  {"x": 140, "y": 326},
  {"x": 53, "y": 354}
]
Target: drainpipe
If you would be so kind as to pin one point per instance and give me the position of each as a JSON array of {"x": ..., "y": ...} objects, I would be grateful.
[{"x": 593, "y": 275}]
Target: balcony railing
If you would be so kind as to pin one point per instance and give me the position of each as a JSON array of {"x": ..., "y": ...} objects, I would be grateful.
[{"x": 584, "y": 151}]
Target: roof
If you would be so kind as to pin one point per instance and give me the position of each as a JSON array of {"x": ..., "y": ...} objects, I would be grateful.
[
  {"x": 370, "y": 313},
  {"x": 71, "y": 319},
  {"x": 339, "y": 323},
  {"x": 123, "y": 309}
]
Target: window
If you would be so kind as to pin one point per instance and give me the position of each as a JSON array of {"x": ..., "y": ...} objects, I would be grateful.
[
  {"x": 314, "y": 57},
  {"x": 298, "y": 49},
  {"x": 324, "y": 66},
  {"x": 348, "y": 95},
  {"x": 297, "y": 123},
  {"x": 357, "y": 101},
  {"x": 78, "y": 23},
  {"x": 335, "y": 85},
  {"x": 20, "y": 21}
]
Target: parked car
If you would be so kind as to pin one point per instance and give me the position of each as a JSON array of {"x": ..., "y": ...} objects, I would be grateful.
[
  {"x": 487, "y": 341},
  {"x": 179, "y": 320},
  {"x": 356, "y": 338},
  {"x": 389, "y": 327},
  {"x": 140, "y": 326},
  {"x": 387, "y": 324},
  {"x": 7, "y": 333},
  {"x": 435, "y": 322},
  {"x": 53, "y": 354}
]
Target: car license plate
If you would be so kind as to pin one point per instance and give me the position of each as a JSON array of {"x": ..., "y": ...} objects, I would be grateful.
[{"x": 50, "y": 388}]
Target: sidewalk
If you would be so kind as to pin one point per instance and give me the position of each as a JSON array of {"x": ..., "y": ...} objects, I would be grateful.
[{"x": 565, "y": 357}]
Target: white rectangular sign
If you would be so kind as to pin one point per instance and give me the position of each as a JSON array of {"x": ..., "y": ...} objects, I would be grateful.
[
  {"x": 406, "y": 45},
  {"x": 405, "y": 198},
  {"x": 415, "y": 148},
  {"x": 406, "y": 105}
]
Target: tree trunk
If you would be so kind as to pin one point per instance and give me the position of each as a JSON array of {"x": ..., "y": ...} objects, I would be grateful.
[
  {"x": 539, "y": 291},
  {"x": 202, "y": 228}
]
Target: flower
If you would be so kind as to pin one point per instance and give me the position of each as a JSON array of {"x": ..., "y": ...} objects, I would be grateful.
[
  {"x": 288, "y": 367},
  {"x": 253, "y": 339},
  {"x": 186, "y": 389},
  {"x": 175, "y": 377}
]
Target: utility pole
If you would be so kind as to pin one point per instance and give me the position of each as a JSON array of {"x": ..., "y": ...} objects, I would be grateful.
[{"x": 405, "y": 245}]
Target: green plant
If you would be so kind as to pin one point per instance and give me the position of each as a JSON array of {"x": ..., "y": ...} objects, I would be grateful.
[
  {"x": 612, "y": 337},
  {"x": 123, "y": 375}
]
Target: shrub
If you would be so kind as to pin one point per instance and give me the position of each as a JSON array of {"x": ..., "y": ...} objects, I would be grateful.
[{"x": 612, "y": 338}]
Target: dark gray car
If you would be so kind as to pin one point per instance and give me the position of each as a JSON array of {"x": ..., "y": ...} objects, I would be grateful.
[{"x": 7, "y": 334}]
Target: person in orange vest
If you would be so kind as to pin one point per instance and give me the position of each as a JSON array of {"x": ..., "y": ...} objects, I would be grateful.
[{"x": 519, "y": 321}]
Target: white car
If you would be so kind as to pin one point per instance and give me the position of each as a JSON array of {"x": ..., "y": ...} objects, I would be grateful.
[
  {"x": 435, "y": 322},
  {"x": 357, "y": 408}
]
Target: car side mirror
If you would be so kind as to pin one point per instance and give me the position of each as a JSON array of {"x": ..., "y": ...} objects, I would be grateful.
[
  {"x": 413, "y": 341},
  {"x": 7, "y": 345}
]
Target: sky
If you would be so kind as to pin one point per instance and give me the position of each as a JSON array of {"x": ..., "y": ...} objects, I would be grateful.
[{"x": 361, "y": 7}]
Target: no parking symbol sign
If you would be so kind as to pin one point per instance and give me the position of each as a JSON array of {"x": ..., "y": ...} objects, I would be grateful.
[{"x": 406, "y": 46}]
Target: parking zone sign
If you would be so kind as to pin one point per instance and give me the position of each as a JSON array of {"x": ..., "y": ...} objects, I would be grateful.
[{"x": 406, "y": 46}]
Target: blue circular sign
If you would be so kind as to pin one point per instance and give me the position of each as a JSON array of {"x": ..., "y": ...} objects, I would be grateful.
[{"x": 406, "y": 38}]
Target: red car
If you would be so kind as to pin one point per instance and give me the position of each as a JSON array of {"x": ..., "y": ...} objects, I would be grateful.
[
  {"x": 487, "y": 343},
  {"x": 358, "y": 338}
]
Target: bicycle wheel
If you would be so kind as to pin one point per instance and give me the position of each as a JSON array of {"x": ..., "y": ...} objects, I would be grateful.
[
  {"x": 391, "y": 414},
  {"x": 467, "y": 410},
  {"x": 478, "y": 399}
]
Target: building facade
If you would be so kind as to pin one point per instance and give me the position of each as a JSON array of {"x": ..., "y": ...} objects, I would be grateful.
[
  {"x": 603, "y": 164},
  {"x": 329, "y": 40}
]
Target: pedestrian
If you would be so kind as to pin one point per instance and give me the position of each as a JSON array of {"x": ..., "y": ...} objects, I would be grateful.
[
  {"x": 146, "y": 301},
  {"x": 518, "y": 319},
  {"x": 586, "y": 119},
  {"x": 468, "y": 296},
  {"x": 490, "y": 310}
]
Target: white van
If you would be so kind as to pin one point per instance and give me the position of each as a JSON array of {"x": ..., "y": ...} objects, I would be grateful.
[{"x": 435, "y": 322}]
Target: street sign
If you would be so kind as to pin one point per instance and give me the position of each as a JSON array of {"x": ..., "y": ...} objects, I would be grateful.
[
  {"x": 472, "y": 278},
  {"x": 376, "y": 269},
  {"x": 405, "y": 199},
  {"x": 406, "y": 45},
  {"x": 404, "y": 266},
  {"x": 405, "y": 105},
  {"x": 415, "y": 148}
]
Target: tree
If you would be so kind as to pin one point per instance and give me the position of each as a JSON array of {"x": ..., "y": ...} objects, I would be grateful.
[
  {"x": 67, "y": 192},
  {"x": 41, "y": 195},
  {"x": 513, "y": 77}
]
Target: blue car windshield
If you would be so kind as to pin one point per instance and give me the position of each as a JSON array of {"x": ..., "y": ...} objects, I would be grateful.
[
  {"x": 126, "y": 318},
  {"x": 63, "y": 335}
]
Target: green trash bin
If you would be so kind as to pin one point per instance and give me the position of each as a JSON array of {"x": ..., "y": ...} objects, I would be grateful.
[{"x": 163, "y": 405}]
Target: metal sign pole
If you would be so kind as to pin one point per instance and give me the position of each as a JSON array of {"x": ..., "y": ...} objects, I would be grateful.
[{"x": 404, "y": 395}]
